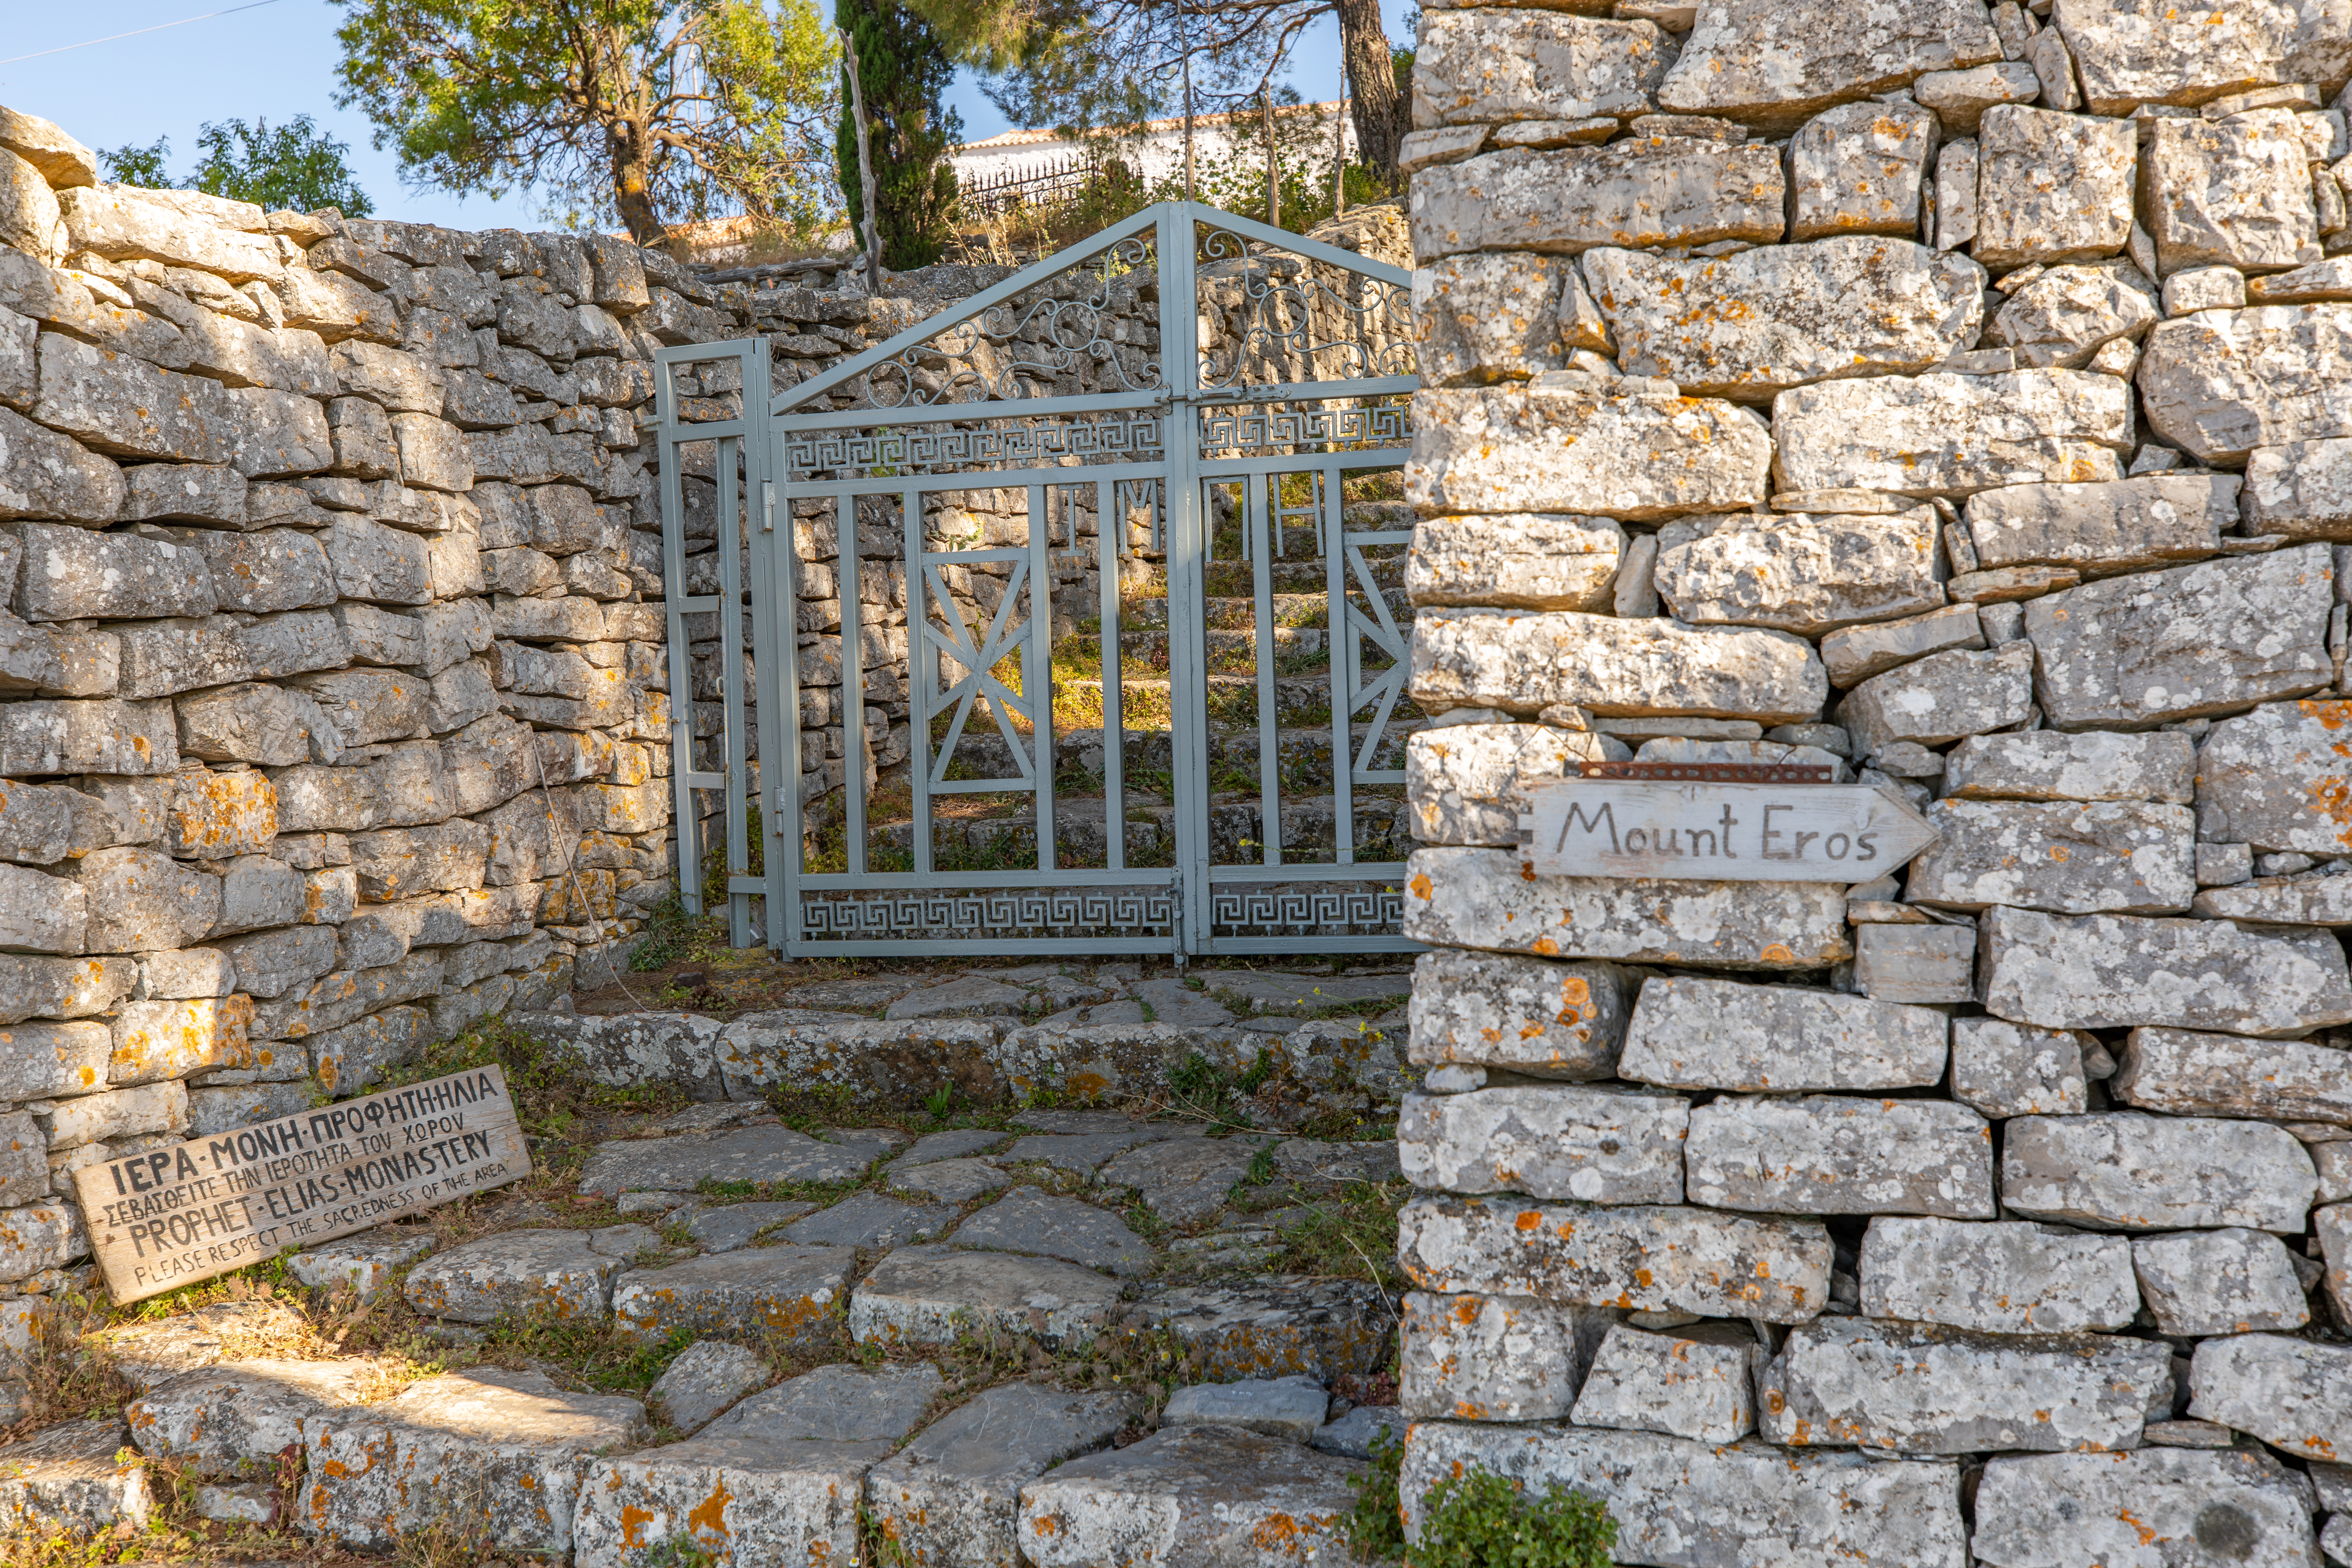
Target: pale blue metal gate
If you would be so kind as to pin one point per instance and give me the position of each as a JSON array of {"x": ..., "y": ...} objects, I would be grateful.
[{"x": 1077, "y": 533}]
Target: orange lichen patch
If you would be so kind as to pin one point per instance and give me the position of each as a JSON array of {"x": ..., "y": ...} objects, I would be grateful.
[
  {"x": 1045, "y": 1524},
  {"x": 1778, "y": 952},
  {"x": 709, "y": 1518},
  {"x": 1421, "y": 889},
  {"x": 2146, "y": 1536},
  {"x": 1531, "y": 1220},
  {"x": 1546, "y": 946}
]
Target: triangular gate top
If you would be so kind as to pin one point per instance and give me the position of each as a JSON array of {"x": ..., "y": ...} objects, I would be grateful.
[{"x": 1306, "y": 306}]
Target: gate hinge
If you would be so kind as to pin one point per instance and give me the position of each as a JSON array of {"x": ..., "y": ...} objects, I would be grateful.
[{"x": 767, "y": 506}]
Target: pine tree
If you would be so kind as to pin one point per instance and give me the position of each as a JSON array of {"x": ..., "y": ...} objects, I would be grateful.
[{"x": 903, "y": 69}]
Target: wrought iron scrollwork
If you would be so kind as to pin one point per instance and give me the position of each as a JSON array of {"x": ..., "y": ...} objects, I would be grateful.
[
  {"x": 1031, "y": 344},
  {"x": 1273, "y": 319}
]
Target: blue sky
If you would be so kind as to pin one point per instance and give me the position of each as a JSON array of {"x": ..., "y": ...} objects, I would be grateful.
[{"x": 278, "y": 61}]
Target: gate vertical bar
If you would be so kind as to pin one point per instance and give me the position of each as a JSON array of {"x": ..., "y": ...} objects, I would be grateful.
[
  {"x": 1188, "y": 710},
  {"x": 732, "y": 546},
  {"x": 853, "y": 682},
  {"x": 775, "y": 591},
  {"x": 922, "y": 678},
  {"x": 1110, "y": 550},
  {"x": 1342, "y": 667},
  {"x": 1037, "y": 663},
  {"x": 687, "y": 827},
  {"x": 1262, "y": 530}
]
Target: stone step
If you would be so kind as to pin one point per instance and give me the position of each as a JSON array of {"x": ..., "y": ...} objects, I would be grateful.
[{"x": 1192, "y": 1494}]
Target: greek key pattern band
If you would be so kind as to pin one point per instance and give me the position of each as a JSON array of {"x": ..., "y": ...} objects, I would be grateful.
[
  {"x": 927, "y": 449},
  {"x": 1260, "y": 430},
  {"x": 1379, "y": 908},
  {"x": 1042, "y": 912}
]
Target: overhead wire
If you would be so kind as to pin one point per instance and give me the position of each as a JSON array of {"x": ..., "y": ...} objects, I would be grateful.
[{"x": 135, "y": 31}]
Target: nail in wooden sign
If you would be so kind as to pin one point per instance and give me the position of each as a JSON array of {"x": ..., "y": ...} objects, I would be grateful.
[
  {"x": 1719, "y": 832},
  {"x": 171, "y": 1217}
]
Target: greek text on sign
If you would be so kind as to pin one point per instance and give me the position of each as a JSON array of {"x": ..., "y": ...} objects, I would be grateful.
[
  {"x": 1721, "y": 832},
  {"x": 161, "y": 1219}
]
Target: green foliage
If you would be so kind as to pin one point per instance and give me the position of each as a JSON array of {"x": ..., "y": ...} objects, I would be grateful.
[
  {"x": 902, "y": 70},
  {"x": 1375, "y": 1526},
  {"x": 295, "y": 168},
  {"x": 655, "y": 112},
  {"x": 1200, "y": 1085},
  {"x": 1480, "y": 1519},
  {"x": 1351, "y": 1235},
  {"x": 132, "y": 164}
]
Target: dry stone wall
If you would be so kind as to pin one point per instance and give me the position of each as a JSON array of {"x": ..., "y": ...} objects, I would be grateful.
[
  {"x": 1955, "y": 396},
  {"x": 333, "y": 686}
]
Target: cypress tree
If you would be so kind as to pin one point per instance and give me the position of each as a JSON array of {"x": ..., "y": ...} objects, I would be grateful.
[{"x": 903, "y": 71}]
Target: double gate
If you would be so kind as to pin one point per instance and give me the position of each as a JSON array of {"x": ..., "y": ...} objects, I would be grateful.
[{"x": 1074, "y": 615}]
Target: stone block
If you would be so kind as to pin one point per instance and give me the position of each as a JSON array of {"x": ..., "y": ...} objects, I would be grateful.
[
  {"x": 1833, "y": 1155},
  {"x": 256, "y": 723},
  {"x": 1635, "y": 455},
  {"x": 2052, "y": 187},
  {"x": 1477, "y": 898},
  {"x": 1287, "y": 1407},
  {"x": 1856, "y": 653},
  {"x": 1675, "y": 1499},
  {"x": 2231, "y": 1281},
  {"x": 2008, "y": 1278},
  {"x": 1524, "y": 561},
  {"x": 1276, "y": 1325},
  {"x": 1799, "y": 574},
  {"x": 40, "y": 1235},
  {"x": 1860, "y": 169},
  {"x": 2091, "y": 765},
  {"x": 1771, "y": 67},
  {"x": 1522, "y": 662},
  {"x": 1644, "y": 191},
  {"x": 2274, "y": 779},
  {"x": 930, "y": 1295},
  {"x": 552, "y": 1273},
  {"x": 2152, "y": 1504},
  {"x": 1944, "y": 696},
  {"x": 115, "y": 1114},
  {"x": 1534, "y": 65},
  {"x": 2180, "y": 1072},
  {"x": 510, "y": 1447},
  {"x": 1484, "y": 319},
  {"x": 1188, "y": 1494},
  {"x": 1690, "y": 1031},
  {"x": 2064, "y": 857},
  {"x": 1522, "y": 1015},
  {"x": 74, "y": 573},
  {"x": 1647, "y": 1259},
  {"x": 1467, "y": 783},
  {"x": 953, "y": 1495},
  {"x": 141, "y": 902},
  {"x": 171, "y": 1039},
  {"x": 1599, "y": 1145},
  {"x": 2189, "y": 641},
  {"x": 2299, "y": 489},
  {"x": 271, "y": 569},
  {"x": 231, "y": 1422},
  {"x": 387, "y": 565},
  {"x": 34, "y": 987},
  {"x": 156, "y": 658},
  {"x": 369, "y": 705},
  {"x": 789, "y": 1296},
  {"x": 2292, "y": 1394},
  {"x": 1493, "y": 1358},
  {"x": 2231, "y": 193},
  {"x": 1696, "y": 1383},
  {"x": 2065, "y": 315},
  {"x": 1945, "y": 435},
  {"x": 2304, "y": 900},
  {"x": 706, "y": 1377},
  {"x": 125, "y": 406},
  {"x": 367, "y": 1263},
  {"x": 2097, "y": 971},
  {"x": 44, "y": 474},
  {"x": 2219, "y": 383},
  {"x": 70, "y": 1477},
  {"x": 2103, "y": 529},
  {"x": 1751, "y": 325},
  {"x": 2004, "y": 1069},
  {"x": 38, "y": 1061},
  {"x": 2125, "y": 1171}
]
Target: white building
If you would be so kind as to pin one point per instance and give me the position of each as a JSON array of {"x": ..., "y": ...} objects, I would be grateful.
[{"x": 1158, "y": 152}]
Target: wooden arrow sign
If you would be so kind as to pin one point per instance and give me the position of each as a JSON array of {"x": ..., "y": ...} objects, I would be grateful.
[{"x": 1721, "y": 832}]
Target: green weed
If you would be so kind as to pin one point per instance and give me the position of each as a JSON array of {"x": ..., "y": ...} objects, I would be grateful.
[{"x": 1480, "y": 1519}]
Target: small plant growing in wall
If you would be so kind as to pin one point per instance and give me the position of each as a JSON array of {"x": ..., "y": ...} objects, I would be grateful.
[{"x": 1478, "y": 1518}]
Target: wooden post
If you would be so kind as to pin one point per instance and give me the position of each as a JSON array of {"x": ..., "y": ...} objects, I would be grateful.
[{"x": 865, "y": 164}]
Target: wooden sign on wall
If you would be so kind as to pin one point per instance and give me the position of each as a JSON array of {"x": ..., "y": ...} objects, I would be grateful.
[
  {"x": 171, "y": 1217},
  {"x": 1721, "y": 832}
]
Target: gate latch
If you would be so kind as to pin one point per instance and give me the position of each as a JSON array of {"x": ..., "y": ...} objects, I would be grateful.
[{"x": 767, "y": 506}]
